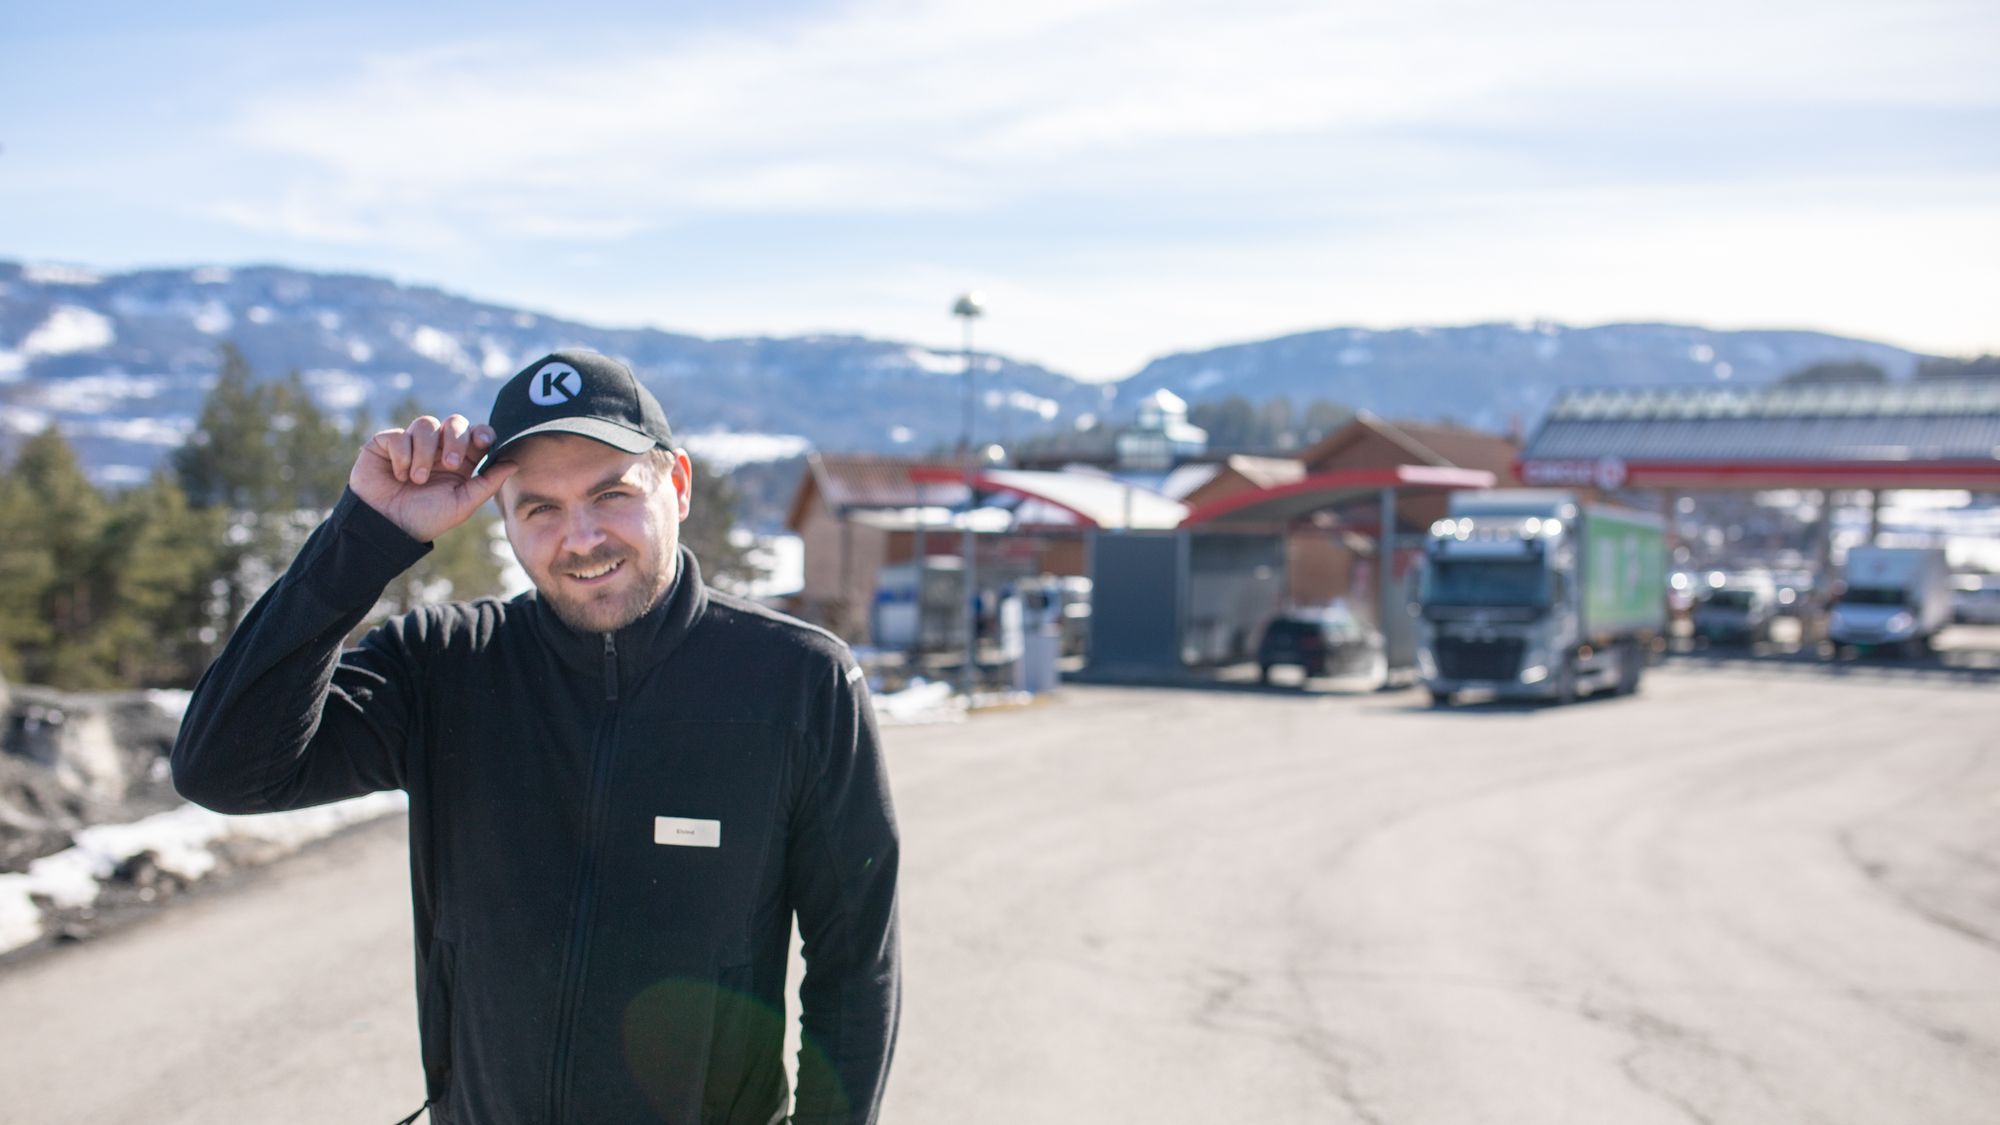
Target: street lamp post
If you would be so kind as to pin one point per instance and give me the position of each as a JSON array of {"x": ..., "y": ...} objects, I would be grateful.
[{"x": 969, "y": 308}]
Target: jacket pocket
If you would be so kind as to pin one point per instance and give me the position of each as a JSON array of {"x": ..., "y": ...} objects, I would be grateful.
[{"x": 434, "y": 1019}]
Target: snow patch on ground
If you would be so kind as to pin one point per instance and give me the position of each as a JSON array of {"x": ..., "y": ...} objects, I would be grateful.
[
  {"x": 781, "y": 558},
  {"x": 927, "y": 702},
  {"x": 118, "y": 476},
  {"x": 169, "y": 431},
  {"x": 921, "y": 702},
  {"x": 24, "y": 421},
  {"x": 51, "y": 274},
  {"x": 213, "y": 319},
  {"x": 258, "y": 314},
  {"x": 211, "y": 275},
  {"x": 12, "y": 363},
  {"x": 69, "y": 328},
  {"x": 722, "y": 452},
  {"x": 442, "y": 347},
  {"x": 924, "y": 359},
  {"x": 337, "y": 389},
  {"x": 96, "y": 394},
  {"x": 1044, "y": 408},
  {"x": 183, "y": 842},
  {"x": 494, "y": 362},
  {"x": 359, "y": 351}
]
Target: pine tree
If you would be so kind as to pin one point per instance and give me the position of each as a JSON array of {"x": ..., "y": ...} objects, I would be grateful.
[
  {"x": 271, "y": 462},
  {"x": 159, "y": 560},
  {"x": 711, "y": 517},
  {"x": 27, "y": 571},
  {"x": 66, "y": 518}
]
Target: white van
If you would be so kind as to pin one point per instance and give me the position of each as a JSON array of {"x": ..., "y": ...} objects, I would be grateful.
[{"x": 1893, "y": 597}]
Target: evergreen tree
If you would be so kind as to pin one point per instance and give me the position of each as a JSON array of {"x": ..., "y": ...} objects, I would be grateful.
[
  {"x": 711, "y": 517},
  {"x": 1946, "y": 367},
  {"x": 229, "y": 461},
  {"x": 66, "y": 518},
  {"x": 1837, "y": 373},
  {"x": 159, "y": 560},
  {"x": 271, "y": 462},
  {"x": 315, "y": 452},
  {"x": 27, "y": 571},
  {"x": 1322, "y": 418}
]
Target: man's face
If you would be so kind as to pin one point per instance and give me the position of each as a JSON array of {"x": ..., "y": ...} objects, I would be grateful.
[{"x": 596, "y": 528}]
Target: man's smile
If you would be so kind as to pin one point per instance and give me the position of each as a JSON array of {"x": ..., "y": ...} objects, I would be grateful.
[{"x": 592, "y": 575}]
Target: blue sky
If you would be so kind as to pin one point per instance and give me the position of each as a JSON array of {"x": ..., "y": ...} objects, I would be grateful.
[{"x": 1121, "y": 179}]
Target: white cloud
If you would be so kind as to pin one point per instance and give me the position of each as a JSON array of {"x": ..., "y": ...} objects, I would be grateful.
[
  {"x": 1129, "y": 177},
  {"x": 897, "y": 107}
]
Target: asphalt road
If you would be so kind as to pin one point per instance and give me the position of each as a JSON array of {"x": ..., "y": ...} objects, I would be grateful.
[{"x": 1739, "y": 897}]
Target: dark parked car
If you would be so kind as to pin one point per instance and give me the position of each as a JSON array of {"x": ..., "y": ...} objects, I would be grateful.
[{"x": 1320, "y": 642}]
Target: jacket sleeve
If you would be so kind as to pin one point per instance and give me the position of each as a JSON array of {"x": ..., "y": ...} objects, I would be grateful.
[
  {"x": 841, "y": 860},
  {"x": 283, "y": 719}
]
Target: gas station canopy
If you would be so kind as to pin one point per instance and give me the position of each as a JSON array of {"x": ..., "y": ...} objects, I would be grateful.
[{"x": 1929, "y": 434}]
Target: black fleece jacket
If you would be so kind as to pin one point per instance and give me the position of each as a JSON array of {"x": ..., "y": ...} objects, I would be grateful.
[{"x": 609, "y": 833}]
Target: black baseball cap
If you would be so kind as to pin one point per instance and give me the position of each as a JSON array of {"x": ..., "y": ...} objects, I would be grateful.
[{"x": 579, "y": 392}]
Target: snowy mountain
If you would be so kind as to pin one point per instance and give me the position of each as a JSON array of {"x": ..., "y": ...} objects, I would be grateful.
[
  {"x": 1491, "y": 375},
  {"x": 122, "y": 361}
]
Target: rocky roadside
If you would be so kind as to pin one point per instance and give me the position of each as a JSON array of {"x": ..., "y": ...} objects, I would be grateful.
[{"x": 91, "y": 829}]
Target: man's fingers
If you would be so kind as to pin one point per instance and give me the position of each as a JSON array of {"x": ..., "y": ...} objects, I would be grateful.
[
  {"x": 456, "y": 440},
  {"x": 423, "y": 448},
  {"x": 393, "y": 446}
]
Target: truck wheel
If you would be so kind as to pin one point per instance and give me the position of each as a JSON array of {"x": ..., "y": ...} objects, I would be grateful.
[
  {"x": 1629, "y": 664},
  {"x": 1566, "y": 680},
  {"x": 1263, "y": 673},
  {"x": 1440, "y": 698}
]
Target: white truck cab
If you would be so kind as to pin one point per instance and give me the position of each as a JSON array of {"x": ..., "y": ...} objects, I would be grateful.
[{"x": 1892, "y": 597}]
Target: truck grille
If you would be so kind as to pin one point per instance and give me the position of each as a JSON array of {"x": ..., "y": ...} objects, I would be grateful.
[{"x": 1460, "y": 659}]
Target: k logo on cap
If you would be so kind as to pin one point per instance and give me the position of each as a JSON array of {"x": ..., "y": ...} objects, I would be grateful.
[{"x": 555, "y": 384}]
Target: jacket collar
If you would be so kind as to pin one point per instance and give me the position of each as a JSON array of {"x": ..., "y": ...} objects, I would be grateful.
[{"x": 640, "y": 645}]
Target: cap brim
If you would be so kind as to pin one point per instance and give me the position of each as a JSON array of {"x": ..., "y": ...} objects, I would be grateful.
[{"x": 597, "y": 429}]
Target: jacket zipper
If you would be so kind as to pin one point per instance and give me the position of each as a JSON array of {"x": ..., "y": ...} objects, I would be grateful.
[{"x": 576, "y": 960}]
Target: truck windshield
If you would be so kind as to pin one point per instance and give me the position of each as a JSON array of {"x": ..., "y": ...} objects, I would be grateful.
[
  {"x": 1729, "y": 599},
  {"x": 1863, "y": 595},
  {"x": 1485, "y": 582}
]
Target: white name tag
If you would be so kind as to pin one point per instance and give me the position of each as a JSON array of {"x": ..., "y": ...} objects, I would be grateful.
[{"x": 682, "y": 832}]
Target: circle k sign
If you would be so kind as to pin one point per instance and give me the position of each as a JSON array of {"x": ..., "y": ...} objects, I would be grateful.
[{"x": 555, "y": 384}]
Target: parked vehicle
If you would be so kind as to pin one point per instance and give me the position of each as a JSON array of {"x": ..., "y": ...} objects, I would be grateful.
[
  {"x": 1532, "y": 593},
  {"x": 1319, "y": 642},
  {"x": 1737, "y": 610},
  {"x": 1975, "y": 599},
  {"x": 1892, "y": 597}
]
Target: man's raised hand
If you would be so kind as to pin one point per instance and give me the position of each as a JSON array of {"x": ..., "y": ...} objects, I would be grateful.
[{"x": 420, "y": 476}]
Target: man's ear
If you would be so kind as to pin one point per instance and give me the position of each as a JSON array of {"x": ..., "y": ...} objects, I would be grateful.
[{"x": 683, "y": 475}]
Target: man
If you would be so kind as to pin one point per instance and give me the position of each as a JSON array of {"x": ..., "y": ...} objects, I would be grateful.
[{"x": 622, "y": 783}]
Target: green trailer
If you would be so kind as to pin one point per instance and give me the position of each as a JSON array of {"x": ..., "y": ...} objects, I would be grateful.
[
  {"x": 1531, "y": 593},
  {"x": 1622, "y": 568}
]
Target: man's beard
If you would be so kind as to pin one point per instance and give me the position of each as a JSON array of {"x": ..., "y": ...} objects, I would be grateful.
[{"x": 608, "y": 614}]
